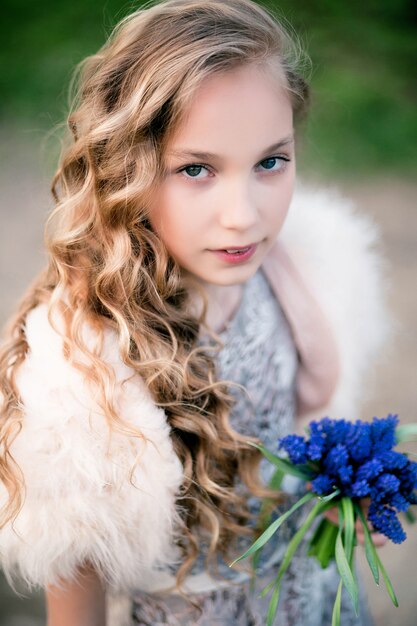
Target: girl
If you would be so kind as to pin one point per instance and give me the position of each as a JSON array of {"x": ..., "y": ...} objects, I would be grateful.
[{"x": 177, "y": 319}]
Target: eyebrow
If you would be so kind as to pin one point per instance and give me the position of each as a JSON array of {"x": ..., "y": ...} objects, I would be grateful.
[{"x": 195, "y": 154}]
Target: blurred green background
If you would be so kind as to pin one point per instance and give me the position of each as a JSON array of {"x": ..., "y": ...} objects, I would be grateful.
[{"x": 364, "y": 54}]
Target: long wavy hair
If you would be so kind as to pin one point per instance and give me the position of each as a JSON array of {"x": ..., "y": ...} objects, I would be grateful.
[{"x": 108, "y": 269}]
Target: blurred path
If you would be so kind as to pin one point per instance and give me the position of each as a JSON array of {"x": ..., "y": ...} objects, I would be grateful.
[{"x": 24, "y": 201}]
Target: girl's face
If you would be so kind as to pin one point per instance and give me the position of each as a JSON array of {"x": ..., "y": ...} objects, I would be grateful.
[{"x": 229, "y": 177}]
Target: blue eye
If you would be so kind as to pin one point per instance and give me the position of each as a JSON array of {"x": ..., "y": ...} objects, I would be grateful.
[
  {"x": 194, "y": 171},
  {"x": 273, "y": 164}
]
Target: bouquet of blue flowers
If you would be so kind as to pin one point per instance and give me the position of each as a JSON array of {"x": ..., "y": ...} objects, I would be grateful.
[{"x": 342, "y": 463}]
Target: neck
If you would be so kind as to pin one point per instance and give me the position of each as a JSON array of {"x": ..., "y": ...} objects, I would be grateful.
[{"x": 222, "y": 303}]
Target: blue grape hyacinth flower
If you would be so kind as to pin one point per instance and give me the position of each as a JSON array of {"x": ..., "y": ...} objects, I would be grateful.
[
  {"x": 357, "y": 459},
  {"x": 344, "y": 462}
]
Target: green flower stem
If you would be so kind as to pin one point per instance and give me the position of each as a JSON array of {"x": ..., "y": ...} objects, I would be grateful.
[
  {"x": 344, "y": 550},
  {"x": 350, "y": 533},
  {"x": 292, "y": 547}
]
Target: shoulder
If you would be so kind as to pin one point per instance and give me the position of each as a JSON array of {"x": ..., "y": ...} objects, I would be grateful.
[
  {"x": 324, "y": 225},
  {"x": 90, "y": 493},
  {"x": 337, "y": 251},
  {"x": 48, "y": 380},
  {"x": 45, "y": 338}
]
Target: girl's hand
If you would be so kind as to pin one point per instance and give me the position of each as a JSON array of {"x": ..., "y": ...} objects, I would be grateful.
[{"x": 378, "y": 539}]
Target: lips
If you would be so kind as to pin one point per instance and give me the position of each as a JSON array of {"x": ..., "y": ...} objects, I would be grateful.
[
  {"x": 236, "y": 254},
  {"x": 236, "y": 248}
]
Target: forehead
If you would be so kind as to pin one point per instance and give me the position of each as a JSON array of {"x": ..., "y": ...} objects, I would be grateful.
[{"x": 237, "y": 111}]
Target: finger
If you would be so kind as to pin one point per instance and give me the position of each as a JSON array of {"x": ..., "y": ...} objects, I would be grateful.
[
  {"x": 332, "y": 515},
  {"x": 379, "y": 539},
  {"x": 364, "y": 504}
]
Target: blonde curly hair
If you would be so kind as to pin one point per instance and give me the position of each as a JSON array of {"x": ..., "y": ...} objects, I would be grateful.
[{"x": 107, "y": 268}]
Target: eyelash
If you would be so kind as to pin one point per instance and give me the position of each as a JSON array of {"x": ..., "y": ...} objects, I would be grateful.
[{"x": 279, "y": 157}]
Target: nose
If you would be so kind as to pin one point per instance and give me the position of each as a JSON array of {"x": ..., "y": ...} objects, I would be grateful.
[{"x": 238, "y": 208}]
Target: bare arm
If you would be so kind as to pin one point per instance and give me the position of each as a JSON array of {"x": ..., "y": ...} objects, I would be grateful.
[{"x": 80, "y": 602}]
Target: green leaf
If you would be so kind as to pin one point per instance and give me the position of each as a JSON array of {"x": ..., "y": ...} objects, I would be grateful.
[
  {"x": 273, "y": 604},
  {"x": 387, "y": 581},
  {"x": 406, "y": 432},
  {"x": 370, "y": 557},
  {"x": 300, "y": 471},
  {"x": 265, "y": 515},
  {"x": 322, "y": 544},
  {"x": 267, "y": 534},
  {"x": 370, "y": 551},
  {"x": 378, "y": 564},
  {"x": 276, "y": 480},
  {"x": 268, "y": 588},
  {"x": 344, "y": 568},
  {"x": 337, "y": 606},
  {"x": 349, "y": 528},
  {"x": 299, "y": 535},
  {"x": 410, "y": 517},
  {"x": 330, "y": 496}
]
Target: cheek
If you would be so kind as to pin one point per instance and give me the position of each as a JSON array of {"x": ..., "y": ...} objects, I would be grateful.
[
  {"x": 175, "y": 216},
  {"x": 277, "y": 202}
]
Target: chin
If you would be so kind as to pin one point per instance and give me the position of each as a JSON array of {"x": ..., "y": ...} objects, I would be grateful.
[{"x": 235, "y": 276}]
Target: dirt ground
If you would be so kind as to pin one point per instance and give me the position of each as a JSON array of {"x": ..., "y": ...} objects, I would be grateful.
[{"x": 24, "y": 202}]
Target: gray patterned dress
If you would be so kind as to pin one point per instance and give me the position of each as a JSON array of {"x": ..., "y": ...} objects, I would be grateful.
[{"x": 258, "y": 353}]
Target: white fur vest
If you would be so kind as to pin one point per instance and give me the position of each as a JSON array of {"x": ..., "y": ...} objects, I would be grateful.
[{"x": 80, "y": 503}]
